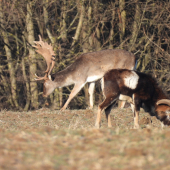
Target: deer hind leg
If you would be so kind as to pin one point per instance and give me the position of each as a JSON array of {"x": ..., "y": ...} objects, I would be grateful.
[
  {"x": 107, "y": 113},
  {"x": 75, "y": 90},
  {"x": 109, "y": 100},
  {"x": 132, "y": 107},
  {"x": 125, "y": 98},
  {"x": 121, "y": 104},
  {"x": 136, "y": 119},
  {"x": 136, "y": 109},
  {"x": 91, "y": 91}
]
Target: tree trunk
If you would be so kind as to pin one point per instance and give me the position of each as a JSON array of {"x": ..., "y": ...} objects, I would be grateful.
[
  {"x": 32, "y": 57},
  {"x": 80, "y": 23},
  {"x": 144, "y": 59},
  {"x": 111, "y": 36},
  {"x": 135, "y": 27},
  {"x": 6, "y": 89},
  {"x": 55, "y": 100},
  {"x": 46, "y": 22},
  {"x": 23, "y": 63},
  {"x": 9, "y": 60},
  {"x": 85, "y": 45},
  {"x": 122, "y": 19}
]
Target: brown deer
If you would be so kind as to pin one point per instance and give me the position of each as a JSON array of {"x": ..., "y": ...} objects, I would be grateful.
[
  {"x": 140, "y": 89},
  {"x": 87, "y": 68}
]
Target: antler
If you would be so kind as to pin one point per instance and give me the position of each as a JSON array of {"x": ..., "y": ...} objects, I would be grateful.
[{"x": 46, "y": 50}]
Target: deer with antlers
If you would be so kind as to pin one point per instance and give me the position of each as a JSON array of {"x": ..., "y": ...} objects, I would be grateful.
[{"x": 87, "y": 68}]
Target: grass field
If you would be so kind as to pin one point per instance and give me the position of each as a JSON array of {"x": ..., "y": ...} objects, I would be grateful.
[{"x": 49, "y": 139}]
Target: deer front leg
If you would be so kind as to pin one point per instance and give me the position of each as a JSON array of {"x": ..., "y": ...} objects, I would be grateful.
[
  {"x": 91, "y": 91},
  {"x": 75, "y": 90}
]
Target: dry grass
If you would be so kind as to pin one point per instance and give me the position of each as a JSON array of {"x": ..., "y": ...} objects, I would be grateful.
[{"x": 47, "y": 139}]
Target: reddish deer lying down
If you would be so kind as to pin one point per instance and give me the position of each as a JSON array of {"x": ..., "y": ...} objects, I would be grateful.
[
  {"x": 87, "y": 68},
  {"x": 140, "y": 87}
]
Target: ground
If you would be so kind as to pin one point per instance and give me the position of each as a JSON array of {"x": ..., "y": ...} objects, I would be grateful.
[{"x": 49, "y": 139}]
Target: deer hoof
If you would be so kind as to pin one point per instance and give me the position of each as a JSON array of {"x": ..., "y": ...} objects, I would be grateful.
[
  {"x": 97, "y": 126},
  {"x": 109, "y": 126},
  {"x": 62, "y": 109},
  {"x": 136, "y": 127}
]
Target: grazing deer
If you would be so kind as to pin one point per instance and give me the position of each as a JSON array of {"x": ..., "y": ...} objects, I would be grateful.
[
  {"x": 87, "y": 68},
  {"x": 140, "y": 87}
]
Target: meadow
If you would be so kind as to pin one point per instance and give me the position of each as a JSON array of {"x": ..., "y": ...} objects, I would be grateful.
[{"x": 47, "y": 139}]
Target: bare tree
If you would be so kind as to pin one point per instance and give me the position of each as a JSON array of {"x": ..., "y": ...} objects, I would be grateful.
[
  {"x": 32, "y": 56},
  {"x": 8, "y": 52},
  {"x": 73, "y": 28}
]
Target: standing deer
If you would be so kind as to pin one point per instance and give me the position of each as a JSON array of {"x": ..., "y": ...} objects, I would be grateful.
[
  {"x": 87, "y": 68},
  {"x": 139, "y": 89}
]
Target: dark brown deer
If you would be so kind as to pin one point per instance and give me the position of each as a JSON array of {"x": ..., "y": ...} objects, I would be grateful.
[
  {"x": 87, "y": 68},
  {"x": 140, "y": 89}
]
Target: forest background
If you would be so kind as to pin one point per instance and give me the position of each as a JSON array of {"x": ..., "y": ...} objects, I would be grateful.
[{"x": 74, "y": 27}]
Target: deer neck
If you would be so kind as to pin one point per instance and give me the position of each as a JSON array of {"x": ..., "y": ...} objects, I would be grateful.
[{"x": 63, "y": 78}]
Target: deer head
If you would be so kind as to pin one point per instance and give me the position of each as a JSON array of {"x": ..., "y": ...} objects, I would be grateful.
[
  {"x": 163, "y": 111},
  {"x": 46, "y": 50}
]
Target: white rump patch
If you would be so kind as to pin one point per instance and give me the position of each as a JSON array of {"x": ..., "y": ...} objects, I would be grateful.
[{"x": 131, "y": 80}]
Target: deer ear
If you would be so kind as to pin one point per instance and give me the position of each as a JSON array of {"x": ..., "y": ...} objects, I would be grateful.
[{"x": 163, "y": 101}]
